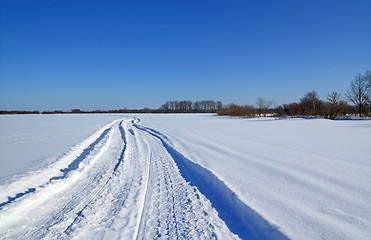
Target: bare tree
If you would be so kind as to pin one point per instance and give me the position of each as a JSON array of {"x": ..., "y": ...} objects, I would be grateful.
[
  {"x": 359, "y": 93},
  {"x": 196, "y": 106},
  {"x": 367, "y": 76},
  {"x": 311, "y": 103},
  {"x": 292, "y": 109},
  {"x": 219, "y": 105},
  {"x": 335, "y": 107},
  {"x": 263, "y": 106},
  {"x": 165, "y": 107},
  {"x": 333, "y": 97}
]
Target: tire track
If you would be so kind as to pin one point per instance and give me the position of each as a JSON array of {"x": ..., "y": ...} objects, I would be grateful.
[
  {"x": 173, "y": 208},
  {"x": 146, "y": 196},
  {"x": 117, "y": 208},
  {"x": 119, "y": 161},
  {"x": 128, "y": 183},
  {"x": 32, "y": 213},
  {"x": 65, "y": 171},
  {"x": 240, "y": 219},
  {"x": 74, "y": 196}
]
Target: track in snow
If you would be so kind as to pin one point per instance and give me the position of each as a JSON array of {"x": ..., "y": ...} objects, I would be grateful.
[{"x": 127, "y": 182}]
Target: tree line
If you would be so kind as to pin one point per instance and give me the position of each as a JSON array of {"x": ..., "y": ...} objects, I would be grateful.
[
  {"x": 335, "y": 105},
  {"x": 78, "y": 111},
  {"x": 207, "y": 106},
  {"x": 19, "y": 112}
]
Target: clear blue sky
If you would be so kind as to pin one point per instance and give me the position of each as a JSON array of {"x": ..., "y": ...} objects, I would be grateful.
[{"x": 64, "y": 54}]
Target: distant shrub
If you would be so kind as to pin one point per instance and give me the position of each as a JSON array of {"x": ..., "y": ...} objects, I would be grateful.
[{"x": 235, "y": 110}]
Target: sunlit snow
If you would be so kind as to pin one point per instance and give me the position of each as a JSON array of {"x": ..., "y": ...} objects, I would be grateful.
[{"x": 184, "y": 176}]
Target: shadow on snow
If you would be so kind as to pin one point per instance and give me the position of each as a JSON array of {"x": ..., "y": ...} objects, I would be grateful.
[
  {"x": 240, "y": 219},
  {"x": 18, "y": 195},
  {"x": 75, "y": 163}
]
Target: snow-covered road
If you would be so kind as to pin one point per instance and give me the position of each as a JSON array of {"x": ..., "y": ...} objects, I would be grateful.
[{"x": 124, "y": 182}]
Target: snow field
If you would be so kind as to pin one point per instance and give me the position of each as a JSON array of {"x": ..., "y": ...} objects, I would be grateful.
[
  {"x": 125, "y": 186},
  {"x": 309, "y": 178},
  {"x": 31, "y": 142},
  {"x": 194, "y": 177}
]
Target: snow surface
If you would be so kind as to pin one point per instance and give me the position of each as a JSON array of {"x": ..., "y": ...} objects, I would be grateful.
[
  {"x": 28, "y": 142},
  {"x": 187, "y": 176}
]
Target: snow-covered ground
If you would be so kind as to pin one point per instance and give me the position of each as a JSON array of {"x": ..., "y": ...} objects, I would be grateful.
[
  {"x": 28, "y": 142},
  {"x": 187, "y": 176}
]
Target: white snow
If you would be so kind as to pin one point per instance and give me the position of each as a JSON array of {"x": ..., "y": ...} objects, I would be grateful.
[
  {"x": 187, "y": 176},
  {"x": 311, "y": 178},
  {"x": 28, "y": 142}
]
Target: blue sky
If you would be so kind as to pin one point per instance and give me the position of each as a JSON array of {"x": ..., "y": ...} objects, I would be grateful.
[{"x": 93, "y": 54}]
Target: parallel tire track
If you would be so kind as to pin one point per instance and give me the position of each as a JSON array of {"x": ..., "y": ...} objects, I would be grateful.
[
  {"x": 126, "y": 184},
  {"x": 174, "y": 209}
]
